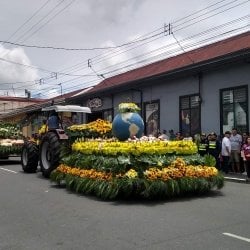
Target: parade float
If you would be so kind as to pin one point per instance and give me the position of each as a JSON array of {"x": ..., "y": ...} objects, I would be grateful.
[
  {"x": 143, "y": 167},
  {"x": 10, "y": 140}
]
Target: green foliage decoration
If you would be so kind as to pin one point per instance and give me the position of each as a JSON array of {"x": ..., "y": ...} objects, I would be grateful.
[{"x": 120, "y": 188}]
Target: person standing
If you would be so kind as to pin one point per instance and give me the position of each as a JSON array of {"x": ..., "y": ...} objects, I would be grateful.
[
  {"x": 163, "y": 136},
  {"x": 214, "y": 148},
  {"x": 242, "y": 162},
  {"x": 202, "y": 145},
  {"x": 178, "y": 136},
  {"x": 171, "y": 135},
  {"x": 226, "y": 151},
  {"x": 245, "y": 152},
  {"x": 236, "y": 141}
]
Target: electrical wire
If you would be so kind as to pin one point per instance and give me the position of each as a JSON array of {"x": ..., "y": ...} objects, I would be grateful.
[
  {"x": 53, "y": 17},
  {"x": 39, "y": 21},
  {"x": 125, "y": 51},
  {"x": 28, "y": 20},
  {"x": 119, "y": 53}
]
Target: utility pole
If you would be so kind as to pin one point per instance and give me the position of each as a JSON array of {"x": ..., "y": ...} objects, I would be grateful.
[{"x": 60, "y": 84}]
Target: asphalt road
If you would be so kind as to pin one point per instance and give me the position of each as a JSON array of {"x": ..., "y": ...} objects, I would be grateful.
[{"x": 36, "y": 214}]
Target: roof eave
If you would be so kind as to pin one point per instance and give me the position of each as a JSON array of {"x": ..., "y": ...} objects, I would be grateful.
[{"x": 191, "y": 68}]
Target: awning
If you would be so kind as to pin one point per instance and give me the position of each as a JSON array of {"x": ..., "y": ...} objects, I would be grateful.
[{"x": 67, "y": 108}]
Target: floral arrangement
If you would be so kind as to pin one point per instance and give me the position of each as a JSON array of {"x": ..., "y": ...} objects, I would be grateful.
[
  {"x": 10, "y": 140},
  {"x": 8, "y": 130},
  {"x": 98, "y": 128},
  {"x": 174, "y": 180},
  {"x": 128, "y": 107},
  {"x": 151, "y": 170},
  {"x": 135, "y": 148}
]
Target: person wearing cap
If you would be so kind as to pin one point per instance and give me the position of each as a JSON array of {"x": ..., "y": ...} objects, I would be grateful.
[
  {"x": 214, "y": 148},
  {"x": 203, "y": 145},
  {"x": 225, "y": 151}
]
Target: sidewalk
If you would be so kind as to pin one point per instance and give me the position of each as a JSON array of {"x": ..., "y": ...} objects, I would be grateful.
[{"x": 235, "y": 177}]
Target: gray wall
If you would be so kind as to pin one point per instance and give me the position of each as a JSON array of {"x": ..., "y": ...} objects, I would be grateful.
[
  {"x": 228, "y": 77},
  {"x": 169, "y": 91}
]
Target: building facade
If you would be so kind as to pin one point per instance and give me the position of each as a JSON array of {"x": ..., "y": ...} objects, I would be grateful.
[{"x": 206, "y": 89}]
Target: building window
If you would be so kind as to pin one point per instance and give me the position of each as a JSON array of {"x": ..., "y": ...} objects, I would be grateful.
[
  {"x": 151, "y": 114},
  {"x": 190, "y": 115},
  {"x": 234, "y": 109}
]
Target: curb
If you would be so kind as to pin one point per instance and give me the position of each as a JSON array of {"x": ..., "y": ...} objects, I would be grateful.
[{"x": 234, "y": 179}]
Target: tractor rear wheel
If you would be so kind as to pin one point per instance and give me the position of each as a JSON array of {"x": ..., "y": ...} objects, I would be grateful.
[
  {"x": 49, "y": 153},
  {"x": 29, "y": 157}
]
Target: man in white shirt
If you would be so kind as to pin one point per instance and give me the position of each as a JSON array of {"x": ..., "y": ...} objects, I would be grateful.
[
  {"x": 164, "y": 135},
  {"x": 226, "y": 151}
]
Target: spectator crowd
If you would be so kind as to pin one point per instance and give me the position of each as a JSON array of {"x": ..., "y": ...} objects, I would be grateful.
[{"x": 231, "y": 151}]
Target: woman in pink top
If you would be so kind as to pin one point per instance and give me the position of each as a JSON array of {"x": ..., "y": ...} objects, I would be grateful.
[{"x": 245, "y": 152}]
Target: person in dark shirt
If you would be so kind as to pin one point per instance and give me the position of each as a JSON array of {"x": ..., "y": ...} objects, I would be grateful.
[
  {"x": 53, "y": 121},
  {"x": 245, "y": 152}
]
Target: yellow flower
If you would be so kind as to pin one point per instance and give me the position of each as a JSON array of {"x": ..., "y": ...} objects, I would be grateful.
[{"x": 131, "y": 173}]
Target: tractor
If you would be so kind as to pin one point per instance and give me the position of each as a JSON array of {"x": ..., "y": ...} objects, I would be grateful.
[{"x": 46, "y": 148}]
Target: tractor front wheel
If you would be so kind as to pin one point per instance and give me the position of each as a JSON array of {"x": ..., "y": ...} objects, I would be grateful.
[
  {"x": 29, "y": 157},
  {"x": 49, "y": 153}
]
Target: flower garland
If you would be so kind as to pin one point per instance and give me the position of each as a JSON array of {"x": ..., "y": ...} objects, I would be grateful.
[
  {"x": 176, "y": 179},
  {"x": 128, "y": 107},
  {"x": 177, "y": 169},
  {"x": 135, "y": 148},
  {"x": 98, "y": 128}
]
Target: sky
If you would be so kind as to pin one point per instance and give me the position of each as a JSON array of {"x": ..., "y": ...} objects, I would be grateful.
[{"x": 52, "y": 47}]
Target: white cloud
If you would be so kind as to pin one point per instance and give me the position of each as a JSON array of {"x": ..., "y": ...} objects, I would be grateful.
[
  {"x": 15, "y": 78},
  {"x": 91, "y": 24}
]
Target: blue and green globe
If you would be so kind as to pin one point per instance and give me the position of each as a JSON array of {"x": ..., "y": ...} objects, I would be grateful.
[{"x": 127, "y": 125}]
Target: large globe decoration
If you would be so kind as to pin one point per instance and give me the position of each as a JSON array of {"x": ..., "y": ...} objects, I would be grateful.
[{"x": 127, "y": 123}]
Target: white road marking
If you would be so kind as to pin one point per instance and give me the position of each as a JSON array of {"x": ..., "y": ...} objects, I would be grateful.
[
  {"x": 237, "y": 237},
  {"x": 8, "y": 170}
]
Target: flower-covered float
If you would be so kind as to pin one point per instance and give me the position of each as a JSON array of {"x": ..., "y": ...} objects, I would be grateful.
[
  {"x": 139, "y": 168},
  {"x": 10, "y": 140}
]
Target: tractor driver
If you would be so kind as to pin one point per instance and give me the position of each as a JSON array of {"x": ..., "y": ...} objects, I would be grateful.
[{"x": 53, "y": 121}]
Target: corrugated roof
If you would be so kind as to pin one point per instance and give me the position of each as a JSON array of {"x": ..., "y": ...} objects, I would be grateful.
[
  {"x": 21, "y": 99},
  {"x": 209, "y": 52},
  {"x": 39, "y": 104}
]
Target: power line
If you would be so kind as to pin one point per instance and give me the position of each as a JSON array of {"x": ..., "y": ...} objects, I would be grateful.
[
  {"x": 37, "y": 23},
  {"x": 40, "y": 69},
  {"x": 220, "y": 12},
  {"x": 137, "y": 63},
  {"x": 50, "y": 20},
  {"x": 231, "y": 22},
  {"x": 172, "y": 33},
  {"x": 203, "y": 14},
  {"x": 118, "y": 53},
  {"x": 174, "y": 51},
  {"x": 80, "y": 49},
  {"x": 104, "y": 57},
  {"x": 21, "y": 26}
]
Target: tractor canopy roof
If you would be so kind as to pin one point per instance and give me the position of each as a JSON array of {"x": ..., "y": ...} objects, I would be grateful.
[{"x": 67, "y": 108}]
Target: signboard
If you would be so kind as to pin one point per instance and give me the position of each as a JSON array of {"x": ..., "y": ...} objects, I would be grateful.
[{"x": 94, "y": 103}]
